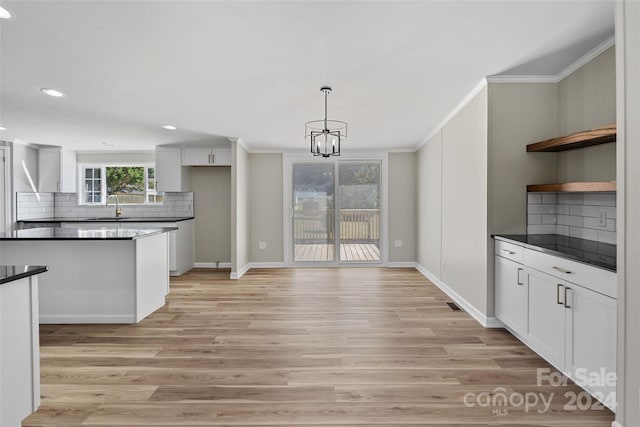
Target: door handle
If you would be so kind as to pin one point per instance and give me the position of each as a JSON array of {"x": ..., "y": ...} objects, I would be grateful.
[
  {"x": 507, "y": 251},
  {"x": 519, "y": 271},
  {"x": 558, "y": 295},
  {"x": 565, "y": 297},
  {"x": 561, "y": 270}
]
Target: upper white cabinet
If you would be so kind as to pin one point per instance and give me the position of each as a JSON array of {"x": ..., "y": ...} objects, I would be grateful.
[
  {"x": 170, "y": 175},
  {"x": 206, "y": 156},
  {"x": 49, "y": 170}
]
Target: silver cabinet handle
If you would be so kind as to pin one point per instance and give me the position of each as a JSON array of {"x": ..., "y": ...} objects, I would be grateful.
[
  {"x": 507, "y": 251},
  {"x": 209, "y": 158},
  {"x": 558, "y": 294},
  {"x": 565, "y": 297},
  {"x": 519, "y": 271},
  {"x": 561, "y": 270},
  {"x": 213, "y": 158}
]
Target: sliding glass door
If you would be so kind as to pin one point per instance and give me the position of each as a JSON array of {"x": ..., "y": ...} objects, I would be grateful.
[{"x": 330, "y": 196}]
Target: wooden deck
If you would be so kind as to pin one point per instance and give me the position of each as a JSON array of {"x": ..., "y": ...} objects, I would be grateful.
[{"x": 348, "y": 252}]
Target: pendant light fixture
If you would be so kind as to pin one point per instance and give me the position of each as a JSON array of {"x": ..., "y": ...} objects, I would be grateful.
[{"x": 325, "y": 135}]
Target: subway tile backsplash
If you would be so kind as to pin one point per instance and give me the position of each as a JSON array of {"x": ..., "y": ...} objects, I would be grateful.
[
  {"x": 65, "y": 205},
  {"x": 589, "y": 216}
]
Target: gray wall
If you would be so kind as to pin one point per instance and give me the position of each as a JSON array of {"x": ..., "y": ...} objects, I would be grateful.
[
  {"x": 586, "y": 100},
  {"x": 628, "y": 177},
  {"x": 519, "y": 114},
  {"x": 212, "y": 202},
  {"x": 462, "y": 144},
  {"x": 240, "y": 205},
  {"x": 402, "y": 206},
  {"x": 429, "y": 201},
  {"x": 265, "y": 187}
]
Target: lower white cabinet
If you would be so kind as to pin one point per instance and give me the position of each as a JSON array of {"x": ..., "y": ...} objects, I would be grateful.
[
  {"x": 569, "y": 324},
  {"x": 511, "y": 294}
]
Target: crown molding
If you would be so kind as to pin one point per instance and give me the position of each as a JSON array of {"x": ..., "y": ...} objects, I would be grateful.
[
  {"x": 555, "y": 78},
  {"x": 481, "y": 85}
]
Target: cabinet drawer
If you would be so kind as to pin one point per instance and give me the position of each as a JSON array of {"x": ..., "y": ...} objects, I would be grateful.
[
  {"x": 593, "y": 278},
  {"x": 509, "y": 251}
]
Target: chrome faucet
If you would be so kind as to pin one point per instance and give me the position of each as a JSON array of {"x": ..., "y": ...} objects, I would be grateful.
[{"x": 118, "y": 211}]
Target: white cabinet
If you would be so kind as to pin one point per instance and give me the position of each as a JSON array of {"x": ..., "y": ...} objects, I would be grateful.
[
  {"x": 19, "y": 351},
  {"x": 49, "y": 170},
  {"x": 546, "y": 333},
  {"x": 170, "y": 175},
  {"x": 564, "y": 310},
  {"x": 511, "y": 294},
  {"x": 206, "y": 156}
]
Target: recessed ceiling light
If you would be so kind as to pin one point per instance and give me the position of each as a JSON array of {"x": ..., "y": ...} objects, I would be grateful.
[
  {"x": 3, "y": 128},
  {"x": 52, "y": 92},
  {"x": 169, "y": 127},
  {"x": 4, "y": 13}
]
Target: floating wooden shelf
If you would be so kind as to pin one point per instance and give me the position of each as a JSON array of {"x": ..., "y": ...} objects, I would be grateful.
[
  {"x": 572, "y": 187},
  {"x": 587, "y": 138}
]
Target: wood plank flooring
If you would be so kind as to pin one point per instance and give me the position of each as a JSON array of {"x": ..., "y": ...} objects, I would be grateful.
[{"x": 294, "y": 347}]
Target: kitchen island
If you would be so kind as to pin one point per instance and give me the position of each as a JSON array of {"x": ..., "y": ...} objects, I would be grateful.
[
  {"x": 96, "y": 275},
  {"x": 19, "y": 343}
]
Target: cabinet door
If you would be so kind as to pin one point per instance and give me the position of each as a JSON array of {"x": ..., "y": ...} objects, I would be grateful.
[
  {"x": 546, "y": 332},
  {"x": 511, "y": 294},
  {"x": 196, "y": 156},
  {"x": 168, "y": 170},
  {"x": 49, "y": 170},
  {"x": 221, "y": 156},
  {"x": 591, "y": 332}
]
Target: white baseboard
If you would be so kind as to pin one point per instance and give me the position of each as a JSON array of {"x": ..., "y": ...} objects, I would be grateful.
[
  {"x": 463, "y": 303},
  {"x": 180, "y": 271},
  {"x": 212, "y": 265},
  {"x": 616, "y": 424},
  {"x": 401, "y": 264},
  {"x": 235, "y": 275},
  {"x": 89, "y": 318}
]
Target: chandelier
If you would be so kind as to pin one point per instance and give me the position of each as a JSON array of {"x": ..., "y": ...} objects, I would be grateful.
[{"x": 325, "y": 135}]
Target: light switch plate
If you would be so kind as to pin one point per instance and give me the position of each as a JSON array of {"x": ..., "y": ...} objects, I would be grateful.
[
  {"x": 397, "y": 243},
  {"x": 602, "y": 219},
  {"x": 262, "y": 245}
]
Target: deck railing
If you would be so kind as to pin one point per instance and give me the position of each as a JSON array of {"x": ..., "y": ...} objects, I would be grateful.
[{"x": 317, "y": 226}]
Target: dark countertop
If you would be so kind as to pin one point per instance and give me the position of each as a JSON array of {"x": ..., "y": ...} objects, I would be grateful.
[
  {"x": 598, "y": 254},
  {"x": 97, "y": 233},
  {"x": 10, "y": 273},
  {"x": 107, "y": 219}
]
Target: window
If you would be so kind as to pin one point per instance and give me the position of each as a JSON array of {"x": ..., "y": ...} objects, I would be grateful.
[{"x": 133, "y": 184}]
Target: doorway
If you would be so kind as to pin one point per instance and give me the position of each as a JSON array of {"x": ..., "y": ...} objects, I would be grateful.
[{"x": 335, "y": 212}]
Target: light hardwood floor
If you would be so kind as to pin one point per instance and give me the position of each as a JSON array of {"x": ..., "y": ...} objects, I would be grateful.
[{"x": 324, "y": 347}]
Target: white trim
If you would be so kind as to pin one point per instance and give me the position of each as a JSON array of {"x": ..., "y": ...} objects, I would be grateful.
[
  {"x": 242, "y": 144},
  {"x": 616, "y": 424},
  {"x": 588, "y": 57},
  {"x": 268, "y": 264},
  {"x": 481, "y": 85},
  {"x": 236, "y": 275},
  {"x": 466, "y": 306},
  {"x": 523, "y": 79},
  {"x": 6, "y": 151},
  {"x": 401, "y": 264},
  {"x": 88, "y": 318},
  {"x": 555, "y": 78},
  {"x": 211, "y": 265}
]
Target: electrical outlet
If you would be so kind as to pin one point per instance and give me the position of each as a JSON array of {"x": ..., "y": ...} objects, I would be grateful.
[
  {"x": 397, "y": 243},
  {"x": 262, "y": 245},
  {"x": 602, "y": 219}
]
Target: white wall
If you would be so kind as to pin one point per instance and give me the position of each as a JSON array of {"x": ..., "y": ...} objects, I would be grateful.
[
  {"x": 402, "y": 203},
  {"x": 628, "y": 177},
  {"x": 212, "y": 203},
  {"x": 266, "y": 216},
  {"x": 240, "y": 205}
]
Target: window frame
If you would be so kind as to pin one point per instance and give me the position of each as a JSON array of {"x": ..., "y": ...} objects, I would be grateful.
[{"x": 103, "y": 182}]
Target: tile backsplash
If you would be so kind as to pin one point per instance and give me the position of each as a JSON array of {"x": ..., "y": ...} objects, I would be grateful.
[
  {"x": 589, "y": 216},
  {"x": 65, "y": 205}
]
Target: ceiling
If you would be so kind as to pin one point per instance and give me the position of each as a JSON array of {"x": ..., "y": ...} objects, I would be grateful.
[{"x": 253, "y": 70}]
